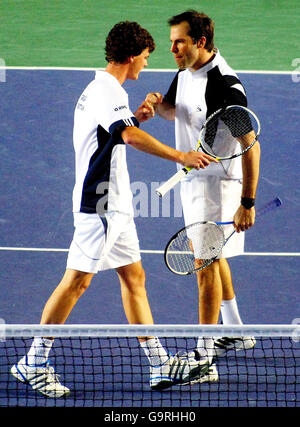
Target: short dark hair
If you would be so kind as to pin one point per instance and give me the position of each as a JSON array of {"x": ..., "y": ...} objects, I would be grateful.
[
  {"x": 200, "y": 25},
  {"x": 127, "y": 39}
]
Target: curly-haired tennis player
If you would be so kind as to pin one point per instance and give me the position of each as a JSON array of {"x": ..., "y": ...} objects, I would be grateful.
[{"x": 105, "y": 234}]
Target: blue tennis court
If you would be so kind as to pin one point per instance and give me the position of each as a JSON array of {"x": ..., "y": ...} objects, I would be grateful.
[
  {"x": 36, "y": 224},
  {"x": 37, "y": 176}
]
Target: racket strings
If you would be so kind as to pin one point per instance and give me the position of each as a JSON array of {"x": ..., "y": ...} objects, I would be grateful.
[
  {"x": 194, "y": 247},
  {"x": 220, "y": 134},
  {"x": 238, "y": 121}
]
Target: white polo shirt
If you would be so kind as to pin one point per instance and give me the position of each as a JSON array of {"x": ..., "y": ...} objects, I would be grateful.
[
  {"x": 102, "y": 181},
  {"x": 196, "y": 96}
]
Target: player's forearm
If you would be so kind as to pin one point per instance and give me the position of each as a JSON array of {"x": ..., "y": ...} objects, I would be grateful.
[
  {"x": 142, "y": 141},
  {"x": 251, "y": 165}
]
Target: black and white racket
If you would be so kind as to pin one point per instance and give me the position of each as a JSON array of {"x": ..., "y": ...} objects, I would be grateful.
[
  {"x": 228, "y": 133},
  {"x": 196, "y": 246}
]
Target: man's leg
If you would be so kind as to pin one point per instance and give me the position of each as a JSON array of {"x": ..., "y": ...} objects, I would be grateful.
[
  {"x": 210, "y": 297},
  {"x": 34, "y": 367},
  {"x": 209, "y": 301},
  {"x": 65, "y": 296},
  {"x": 134, "y": 295},
  {"x": 165, "y": 370},
  {"x": 226, "y": 278},
  {"x": 57, "y": 309},
  {"x": 229, "y": 308},
  {"x": 210, "y": 293},
  {"x": 230, "y": 315}
]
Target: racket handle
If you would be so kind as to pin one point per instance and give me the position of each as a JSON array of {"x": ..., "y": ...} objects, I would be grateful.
[
  {"x": 269, "y": 206},
  {"x": 168, "y": 185}
]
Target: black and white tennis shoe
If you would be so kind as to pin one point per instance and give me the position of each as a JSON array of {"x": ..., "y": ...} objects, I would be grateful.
[
  {"x": 224, "y": 344},
  {"x": 177, "y": 370}
]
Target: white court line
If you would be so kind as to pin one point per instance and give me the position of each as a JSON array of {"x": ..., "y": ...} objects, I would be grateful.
[
  {"x": 143, "y": 251},
  {"x": 153, "y": 70}
]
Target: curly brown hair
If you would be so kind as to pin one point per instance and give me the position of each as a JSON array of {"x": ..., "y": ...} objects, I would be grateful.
[{"x": 127, "y": 39}]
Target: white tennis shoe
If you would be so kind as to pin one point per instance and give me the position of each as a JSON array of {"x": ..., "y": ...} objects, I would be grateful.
[
  {"x": 42, "y": 378},
  {"x": 176, "y": 370},
  {"x": 224, "y": 344}
]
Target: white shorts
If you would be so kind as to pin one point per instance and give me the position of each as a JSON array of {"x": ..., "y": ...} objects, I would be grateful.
[
  {"x": 212, "y": 198},
  {"x": 99, "y": 245}
]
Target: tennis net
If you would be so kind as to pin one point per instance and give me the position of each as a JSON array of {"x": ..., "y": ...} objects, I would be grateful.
[{"x": 104, "y": 366}]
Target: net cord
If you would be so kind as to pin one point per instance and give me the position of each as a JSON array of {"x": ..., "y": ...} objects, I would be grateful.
[{"x": 96, "y": 330}]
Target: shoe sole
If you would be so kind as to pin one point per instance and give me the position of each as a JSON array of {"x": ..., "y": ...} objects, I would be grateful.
[
  {"x": 209, "y": 379},
  {"x": 162, "y": 385}
]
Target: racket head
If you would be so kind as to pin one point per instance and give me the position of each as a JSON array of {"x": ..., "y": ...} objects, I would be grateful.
[
  {"x": 229, "y": 132},
  {"x": 194, "y": 247}
]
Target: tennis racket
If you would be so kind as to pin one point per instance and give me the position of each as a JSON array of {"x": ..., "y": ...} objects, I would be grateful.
[
  {"x": 196, "y": 246},
  {"x": 226, "y": 134}
]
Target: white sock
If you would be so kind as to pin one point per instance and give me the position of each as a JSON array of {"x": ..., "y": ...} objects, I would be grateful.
[
  {"x": 155, "y": 352},
  {"x": 39, "y": 351},
  {"x": 230, "y": 312},
  {"x": 205, "y": 347}
]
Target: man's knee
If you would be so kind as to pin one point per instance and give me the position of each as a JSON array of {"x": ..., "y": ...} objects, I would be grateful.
[
  {"x": 132, "y": 277},
  {"x": 77, "y": 281}
]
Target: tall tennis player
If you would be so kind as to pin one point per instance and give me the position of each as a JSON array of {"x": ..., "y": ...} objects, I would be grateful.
[{"x": 226, "y": 190}]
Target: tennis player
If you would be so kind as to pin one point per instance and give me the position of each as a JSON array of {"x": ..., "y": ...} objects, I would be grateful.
[
  {"x": 222, "y": 192},
  {"x": 105, "y": 234}
]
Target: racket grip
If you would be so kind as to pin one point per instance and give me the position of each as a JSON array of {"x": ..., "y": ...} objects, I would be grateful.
[
  {"x": 269, "y": 207},
  {"x": 168, "y": 185}
]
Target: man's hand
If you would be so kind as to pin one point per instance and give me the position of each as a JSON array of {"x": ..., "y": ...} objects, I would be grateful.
[
  {"x": 155, "y": 98},
  {"x": 244, "y": 218},
  {"x": 144, "y": 112},
  {"x": 147, "y": 108},
  {"x": 197, "y": 160}
]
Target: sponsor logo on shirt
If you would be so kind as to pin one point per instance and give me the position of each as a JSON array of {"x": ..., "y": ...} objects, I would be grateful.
[{"x": 121, "y": 107}]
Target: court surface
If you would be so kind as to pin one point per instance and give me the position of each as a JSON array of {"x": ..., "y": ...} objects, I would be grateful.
[
  {"x": 37, "y": 170},
  {"x": 50, "y": 53}
]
